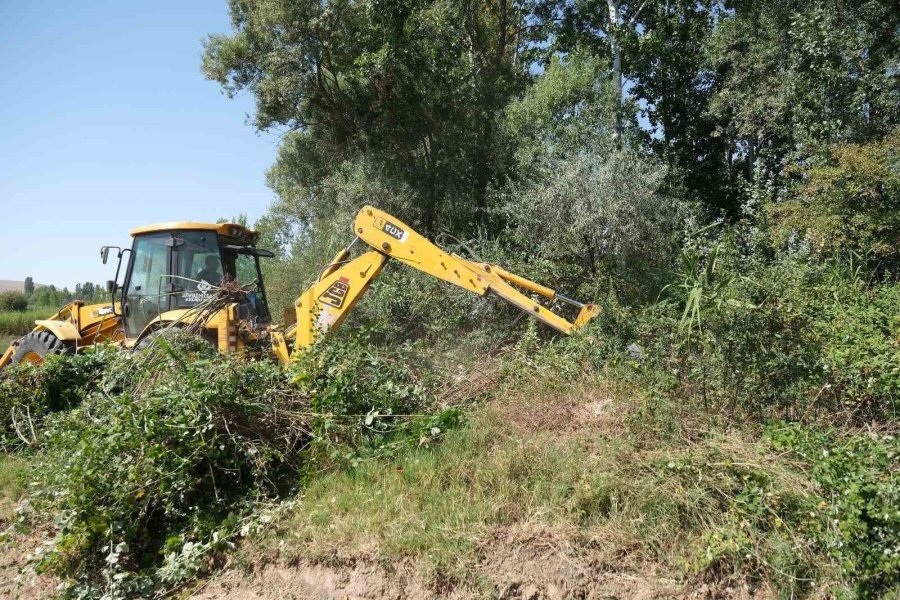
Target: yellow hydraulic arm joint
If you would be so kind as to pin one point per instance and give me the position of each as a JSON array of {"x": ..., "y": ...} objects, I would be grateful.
[{"x": 326, "y": 303}]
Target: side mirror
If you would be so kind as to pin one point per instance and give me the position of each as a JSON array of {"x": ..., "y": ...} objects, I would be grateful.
[
  {"x": 111, "y": 286},
  {"x": 104, "y": 255}
]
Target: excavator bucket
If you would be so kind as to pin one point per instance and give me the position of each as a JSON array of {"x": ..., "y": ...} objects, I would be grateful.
[{"x": 587, "y": 312}]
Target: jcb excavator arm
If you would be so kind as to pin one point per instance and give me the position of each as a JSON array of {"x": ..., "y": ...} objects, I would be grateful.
[{"x": 327, "y": 302}]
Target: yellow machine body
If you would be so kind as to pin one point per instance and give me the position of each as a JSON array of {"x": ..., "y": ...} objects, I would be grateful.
[
  {"x": 320, "y": 308},
  {"x": 78, "y": 325}
]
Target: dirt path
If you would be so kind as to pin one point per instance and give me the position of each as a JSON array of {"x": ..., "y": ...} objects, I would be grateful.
[
  {"x": 15, "y": 581},
  {"x": 523, "y": 580},
  {"x": 516, "y": 565}
]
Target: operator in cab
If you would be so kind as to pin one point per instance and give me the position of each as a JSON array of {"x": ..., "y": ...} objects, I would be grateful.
[{"x": 210, "y": 272}]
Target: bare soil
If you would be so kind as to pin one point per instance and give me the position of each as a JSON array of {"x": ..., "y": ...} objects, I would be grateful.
[
  {"x": 16, "y": 581},
  {"x": 517, "y": 564}
]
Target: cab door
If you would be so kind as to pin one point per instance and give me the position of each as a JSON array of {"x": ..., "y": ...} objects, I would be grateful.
[{"x": 145, "y": 292}]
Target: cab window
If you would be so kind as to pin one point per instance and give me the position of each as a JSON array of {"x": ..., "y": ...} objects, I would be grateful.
[
  {"x": 145, "y": 297},
  {"x": 245, "y": 267},
  {"x": 198, "y": 267}
]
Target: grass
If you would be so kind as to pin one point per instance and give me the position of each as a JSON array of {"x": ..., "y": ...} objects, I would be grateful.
[
  {"x": 672, "y": 503},
  {"x": 5, "y": 341},
  {"x": 12, "y": 484},
  {"x": 15, "y": 324},
  {"x": 441, "y": 502}
]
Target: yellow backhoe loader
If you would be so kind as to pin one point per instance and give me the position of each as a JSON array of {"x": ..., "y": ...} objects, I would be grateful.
[{"x": 207, "y": 277}]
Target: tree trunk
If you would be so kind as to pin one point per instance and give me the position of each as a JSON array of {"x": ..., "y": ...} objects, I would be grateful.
[{"x": 615, "y": 23}]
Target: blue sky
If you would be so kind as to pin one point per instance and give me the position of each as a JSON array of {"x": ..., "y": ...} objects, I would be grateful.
[{"x": 106, "y": 123}]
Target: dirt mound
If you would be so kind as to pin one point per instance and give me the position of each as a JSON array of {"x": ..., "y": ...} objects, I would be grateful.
[
  {"x": 596, "y": 406},
  {"x": 370, "y": 581}
]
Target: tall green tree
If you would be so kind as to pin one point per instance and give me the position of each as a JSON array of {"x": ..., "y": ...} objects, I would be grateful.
[
  {"x": 602, "y": 28},
  {"x": 409, "y": 89},
  {"x": 674, "y": 85},
  {"x": 795, "y": 75}
]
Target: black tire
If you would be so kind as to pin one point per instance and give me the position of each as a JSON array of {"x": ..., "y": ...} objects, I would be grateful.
[
  {"x": 148, "y": 340},
  {"x": 34, "y": 346}
]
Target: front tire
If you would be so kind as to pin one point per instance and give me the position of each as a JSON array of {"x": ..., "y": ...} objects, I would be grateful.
[{"x": 34, "y": 346}]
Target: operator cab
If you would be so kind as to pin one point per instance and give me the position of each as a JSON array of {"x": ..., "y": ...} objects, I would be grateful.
[{"x": 176, "y": 266}]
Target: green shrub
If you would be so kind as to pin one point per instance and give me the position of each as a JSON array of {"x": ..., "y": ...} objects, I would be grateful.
[
  {"x": 792, "y": 338},
  {"x": 28, "y": 392},
  {"x": 174, "y": 460},
  {"x": 861, "y": 354},
  {"x": 857, "y": 481},
  {"x": 13, "y": 301},
  {"x": 171, "y": 450},
  {"x": 362, "y": 400},
  {"x": 849, "y": 200}
]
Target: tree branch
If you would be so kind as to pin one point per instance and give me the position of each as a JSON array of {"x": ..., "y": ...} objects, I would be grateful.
[{"x": 637, "y": 13}]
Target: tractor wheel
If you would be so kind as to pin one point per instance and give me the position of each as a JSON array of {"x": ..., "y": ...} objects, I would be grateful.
[
  {"x": 148, "y": 340},
  {"x": 145, "y": 342},
  {"x": 34, "y": 346}
]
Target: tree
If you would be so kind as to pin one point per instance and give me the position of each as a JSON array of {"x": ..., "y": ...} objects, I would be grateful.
[
  {"x": 733, "y": 90},
  {"x": 586, "y": 200},
  {"x": 29, "y": 286},
  {"x": 849, "y": 200},
  {"x": 13, "y": 301},
  {"x": 409, "y": 89},
  {"x": 674, "y": 85},
  {"x": 796, "y": 75},
  {"x": 601, "y": 27},
  {"x": 47, "y": 296}
]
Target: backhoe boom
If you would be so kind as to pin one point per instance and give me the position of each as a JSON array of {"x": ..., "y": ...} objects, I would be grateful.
[{"x": 325, "y": 304}]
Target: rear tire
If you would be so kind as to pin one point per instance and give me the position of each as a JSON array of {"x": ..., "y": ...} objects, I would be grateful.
[
  {"x": 149, "y": 339},
  {"x": 34, "y": 346}
]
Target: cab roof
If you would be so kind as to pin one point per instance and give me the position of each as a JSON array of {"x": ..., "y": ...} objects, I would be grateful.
[{"x": 231, "y": 230}]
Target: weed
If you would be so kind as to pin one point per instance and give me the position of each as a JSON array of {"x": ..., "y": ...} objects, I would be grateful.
[{"x": 184, "y": 444}]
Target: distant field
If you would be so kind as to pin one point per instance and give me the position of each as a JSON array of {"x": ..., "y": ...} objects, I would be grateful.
[
  {"x": 11, "y": 286},
  {"x": 7, "y": 285},
  {"x": 16, "y": 324}
]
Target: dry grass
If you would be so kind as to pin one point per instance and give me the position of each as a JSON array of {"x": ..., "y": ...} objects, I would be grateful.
[
  {"x": 576, "y": 463},
  {"x": 12, "y": 485}
]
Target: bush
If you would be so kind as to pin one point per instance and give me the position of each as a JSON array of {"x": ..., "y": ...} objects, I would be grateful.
[
  {"x": 859, "y": 523},
  {"x": 791, "y": 338},
  {"x": 599, "y": 212},
  {"x": 861, "y": 356},
  {"x": 13, "y": 301},
  {"x": 171, "y": 450},
  {"x": 29, "y": 393},
  {"x": 171, "y": 462},
  {"x": 849, "y": 200},
  {"x": 361, "y": 400}
]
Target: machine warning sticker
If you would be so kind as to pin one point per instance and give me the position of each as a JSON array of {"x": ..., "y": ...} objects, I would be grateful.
[
  {"x": 336, "y": 293},
  {"x": 392, "y": 230},
  {"x": 102, "y": 312}
]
